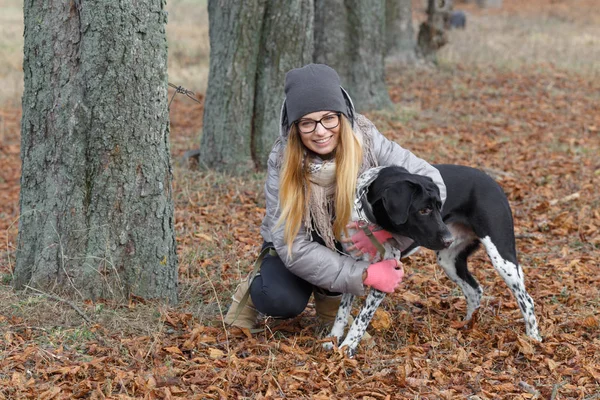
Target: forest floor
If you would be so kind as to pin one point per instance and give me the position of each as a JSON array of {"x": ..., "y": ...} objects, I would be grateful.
[{"x": 535, "y": 127}]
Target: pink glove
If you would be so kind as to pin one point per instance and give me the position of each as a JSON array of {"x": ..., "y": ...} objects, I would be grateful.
[
  {"x": 363, "y": 243},
  {"x": 385, "y": 275}
]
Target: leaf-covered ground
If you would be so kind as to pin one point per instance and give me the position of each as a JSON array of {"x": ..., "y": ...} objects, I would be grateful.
[{"x": 535, "y": 129}]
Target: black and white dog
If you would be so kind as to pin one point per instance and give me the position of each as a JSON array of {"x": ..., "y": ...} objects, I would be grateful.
[{"x": 408, "y": 205}]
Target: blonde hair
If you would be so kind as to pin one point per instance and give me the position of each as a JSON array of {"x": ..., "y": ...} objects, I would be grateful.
[{"x": 294, "y": 179}]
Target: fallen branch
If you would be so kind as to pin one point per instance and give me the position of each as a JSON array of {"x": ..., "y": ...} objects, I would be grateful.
[
  {"x": 555, "y": 390},
  {"x": 529, "y": 389},
  {"x": 497, "y": 174},
  {"x": 528, "y": 236},
  {"x": 564, "y": 199},
  {"x": 70, "y": 303}
]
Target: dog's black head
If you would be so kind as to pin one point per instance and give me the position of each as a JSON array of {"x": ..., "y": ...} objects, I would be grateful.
[{"x": 409, "y": 205}]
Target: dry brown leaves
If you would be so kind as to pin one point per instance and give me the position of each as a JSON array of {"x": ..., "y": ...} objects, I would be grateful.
[{"x": 536, "y": 131}]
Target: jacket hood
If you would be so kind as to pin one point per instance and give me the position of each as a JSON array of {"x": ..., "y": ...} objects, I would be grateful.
[{"x": 285, "y": 125}]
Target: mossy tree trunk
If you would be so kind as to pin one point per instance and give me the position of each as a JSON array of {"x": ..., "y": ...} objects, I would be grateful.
[
  {"x": 252, "y": 45},
  {"x": 358, "y": 55},
  {"x": 96, "y": 207}
]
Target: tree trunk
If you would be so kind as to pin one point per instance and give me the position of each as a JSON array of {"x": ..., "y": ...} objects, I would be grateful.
[
  {"x": 432, "y": 33},
  {"x": 96, "y": 203},
  {"x": 235, "y": 35},
  {"x": 358, "y": 56},
  {"x": 252, "y": 45},
  {"x": 399, "y": 31},
  {"x": 287, "y": 42},
  {"x": 332, "y": 37}
]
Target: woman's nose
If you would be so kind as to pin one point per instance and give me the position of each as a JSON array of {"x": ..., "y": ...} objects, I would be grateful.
[{"x": 320, "y": 129}]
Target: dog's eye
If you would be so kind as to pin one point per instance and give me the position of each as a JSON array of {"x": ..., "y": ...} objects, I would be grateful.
[{"x": 425, "y": 211}]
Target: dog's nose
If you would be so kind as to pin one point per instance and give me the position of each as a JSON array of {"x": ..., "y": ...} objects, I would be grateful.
[{"x": 448, "y": 240}]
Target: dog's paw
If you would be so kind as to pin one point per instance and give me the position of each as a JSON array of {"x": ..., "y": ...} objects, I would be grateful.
[
  {"x": 349, "y": 350},
  {"x": 349, "y": 347},
  {"x": 328, "y": 346}
]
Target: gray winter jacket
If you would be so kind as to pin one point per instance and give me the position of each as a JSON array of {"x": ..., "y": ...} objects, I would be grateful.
[{"x": 310, "y": 260}]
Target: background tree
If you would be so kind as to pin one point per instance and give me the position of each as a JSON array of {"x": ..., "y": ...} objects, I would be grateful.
[
  {"x": 399, "y": 32},
  {"x": 350, "y": 37},
  {"x": 432, "y": 32},
  {"x": 96, "y": 203},
  {"x": 252, "y": 45}
]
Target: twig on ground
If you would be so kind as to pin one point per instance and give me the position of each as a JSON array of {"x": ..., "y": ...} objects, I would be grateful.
[
  {"x": 497, "y": 174},
  {"x": 70, "y": 303},
  {"x": 570, "y": 197},
  {"x": 529, "y": 389},
  {"x": 555, "y": 390},
  {"x": 220, "y": 313},
  {"x": 528, "y": 236}
]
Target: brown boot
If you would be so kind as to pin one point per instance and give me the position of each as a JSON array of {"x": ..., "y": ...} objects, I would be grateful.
[
  {"x": 246, "y": 318},
  {"x": 326, "y": 307}
]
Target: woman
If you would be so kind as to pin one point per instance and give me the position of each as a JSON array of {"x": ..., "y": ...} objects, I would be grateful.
[{"x": 310, "y": 188}]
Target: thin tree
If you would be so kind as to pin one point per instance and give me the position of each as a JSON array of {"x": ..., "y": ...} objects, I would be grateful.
[
  {"x": 432, "y": 32},
  {"x": 252, "y": 45},
  {"x": 96, "y": 207}
]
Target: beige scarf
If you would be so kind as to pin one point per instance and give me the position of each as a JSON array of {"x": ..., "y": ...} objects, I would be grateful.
[{"x": 320, "y": 207}]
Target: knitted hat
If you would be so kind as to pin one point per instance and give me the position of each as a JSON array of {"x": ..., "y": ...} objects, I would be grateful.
[{"x": 314, "y": 87}]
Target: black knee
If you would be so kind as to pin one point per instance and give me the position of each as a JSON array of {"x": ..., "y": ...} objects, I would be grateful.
[{"x": 278, "y": 303}]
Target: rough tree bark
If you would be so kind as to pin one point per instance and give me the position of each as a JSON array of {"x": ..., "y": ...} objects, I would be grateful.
[
  {"x": 252, "y": 45},
  {"x": 432, "y": 33},
  {"x": 399, "y": 32},
  {"x": 286, "y": 43},
  {"x": 96, "y": 209},
  {"x": 350, "y": 37}
]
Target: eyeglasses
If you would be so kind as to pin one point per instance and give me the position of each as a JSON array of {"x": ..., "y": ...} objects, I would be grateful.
[{"x": 329, "y": 121}]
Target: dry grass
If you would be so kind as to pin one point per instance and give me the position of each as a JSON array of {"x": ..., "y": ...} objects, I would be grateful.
[
  {"x": 11, "y": 51},
  {"x": 187, "y": 36},
  {"x": 189, "y": 48},
  {"x": 512, "y": 42}
]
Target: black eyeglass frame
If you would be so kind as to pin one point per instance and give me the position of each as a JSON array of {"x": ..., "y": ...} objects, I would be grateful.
[{"x": 338, "y": 114}]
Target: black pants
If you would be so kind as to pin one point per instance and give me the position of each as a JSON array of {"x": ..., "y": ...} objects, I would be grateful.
[{"x": 276, "y": 292}]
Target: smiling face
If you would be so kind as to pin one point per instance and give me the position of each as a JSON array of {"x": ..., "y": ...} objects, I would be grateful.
[{"x": 321, "y": 141}]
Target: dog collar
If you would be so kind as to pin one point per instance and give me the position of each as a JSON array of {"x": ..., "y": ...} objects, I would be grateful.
[{"x": 363, "y": 208}]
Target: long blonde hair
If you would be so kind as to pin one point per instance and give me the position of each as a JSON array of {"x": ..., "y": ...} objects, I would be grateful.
[{"x": 294, "y": 179}]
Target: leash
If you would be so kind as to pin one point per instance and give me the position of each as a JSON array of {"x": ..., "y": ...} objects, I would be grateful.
[
  {"x": 363, "y": 211},
  {"x": 267, "y": 250},
  {"x": 364, "y": 226}
]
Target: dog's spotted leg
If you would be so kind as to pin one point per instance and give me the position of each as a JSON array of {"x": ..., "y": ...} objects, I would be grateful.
[
  {"x": 341, "y": 320},
  {"x": 513, "y": 276},
  {"x": 360, "y": 324},
  {"x": 454, "y": 263}
]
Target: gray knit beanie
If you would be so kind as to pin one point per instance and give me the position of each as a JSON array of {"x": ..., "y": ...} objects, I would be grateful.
[{"x": 314, "y": 87}]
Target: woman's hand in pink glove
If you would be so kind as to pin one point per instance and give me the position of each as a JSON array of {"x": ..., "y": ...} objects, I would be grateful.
[
  {"x": 384, "y": 275},
  {"x": 361, "y": 244}
]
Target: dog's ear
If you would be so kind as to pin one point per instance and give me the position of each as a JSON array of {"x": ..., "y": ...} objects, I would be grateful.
[{"x": 397, "y": 201}]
